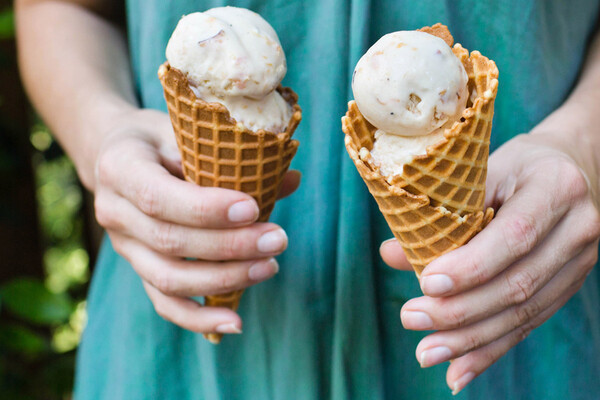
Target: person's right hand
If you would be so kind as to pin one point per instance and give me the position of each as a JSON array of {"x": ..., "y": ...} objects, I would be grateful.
[{"x": 183, "y": 240}]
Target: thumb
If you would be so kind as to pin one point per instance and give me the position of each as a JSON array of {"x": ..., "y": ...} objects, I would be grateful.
[
  {"x": 393, "y": 255},
  {"x": 290, "y": 183}
]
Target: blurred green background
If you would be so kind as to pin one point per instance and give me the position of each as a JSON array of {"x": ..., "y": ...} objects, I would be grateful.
[{"x": 47, "y": 242}]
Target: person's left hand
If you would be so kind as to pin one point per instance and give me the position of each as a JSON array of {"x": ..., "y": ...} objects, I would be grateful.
[{"x": 486, "y": 296}]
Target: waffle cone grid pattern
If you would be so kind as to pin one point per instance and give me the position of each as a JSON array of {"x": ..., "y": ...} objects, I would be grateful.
[
  {"x": 454, "y": 171},
  {"x": 216, "y": 151},
  {"x": 228, "y": 300},
  {"x": 437, "y": 204}
]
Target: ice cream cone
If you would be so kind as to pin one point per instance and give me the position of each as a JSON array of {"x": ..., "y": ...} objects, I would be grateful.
[
  {"x": 216, "y": 151},
  {"x": 437, "y": 203}
]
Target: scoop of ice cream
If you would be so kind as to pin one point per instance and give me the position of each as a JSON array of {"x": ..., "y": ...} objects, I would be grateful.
[
  {"x": 391, "y": 152},
  {"x": 231, "y": 51},
  {"x": 271, "y": 113},
  {"x": 410, "y": 83},
  {"x": 233, "y": 56}
]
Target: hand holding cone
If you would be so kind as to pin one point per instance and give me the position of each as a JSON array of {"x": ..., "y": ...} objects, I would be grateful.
[{"x": 216, "y": 151}]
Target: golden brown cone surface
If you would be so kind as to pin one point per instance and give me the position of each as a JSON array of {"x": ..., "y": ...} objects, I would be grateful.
[
  {"x": 217, "y": 151},
  {"x": 437, "y": 204}
]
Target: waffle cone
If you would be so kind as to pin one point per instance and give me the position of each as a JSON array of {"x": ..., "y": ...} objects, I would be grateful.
[
  {"x": 437, "y": 203},
  {"x": 216, "y": 151}
]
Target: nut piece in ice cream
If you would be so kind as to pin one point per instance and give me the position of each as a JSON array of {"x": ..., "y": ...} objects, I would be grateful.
[
  {"x": 410, "y": 83},
  {"x": 232, "y": 120},
  {"x": 230, "y": 51},
  {"x": 435, "y": 202},
  {"x": 232, "y": 56}
]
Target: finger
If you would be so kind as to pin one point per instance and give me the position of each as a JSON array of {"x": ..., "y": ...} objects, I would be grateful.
[
  {"x": 186, "y": 278},
  {"x": 190, "y": 315},
  {"x": 464, "y": 369},
  {"x": 172, "y": 162},
  {"x": 393, "y": 255},
  {"x": 137, "y": 175},
  {"x": 167, "y": 144},
  {"x": 515, "y": 286},
  {"x": 249, "y": 242},
  {"x": 445, "y": 345},
  {"x": 521, "y": 223},
  {"x": 290, "y": 183}
]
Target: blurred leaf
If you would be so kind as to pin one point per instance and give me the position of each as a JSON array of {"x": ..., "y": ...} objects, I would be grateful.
[
  {"x": 40, "y": 139},
  {"x": 60, "y": 200},
  {"x": 32, "y": 301},
  {"x": 58, "y": 374},
  {"x": 7, "y": 24},
  {"x": 21, "y": 339},
  {"x": 66, "y": 337},
  {"x": 65, "y": 267}
]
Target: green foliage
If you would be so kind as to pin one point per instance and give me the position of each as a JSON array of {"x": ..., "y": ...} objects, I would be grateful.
[
  {"x": 66, "y": 267},
  {"x": 66, "y": 337},
  {"x": 59, "y": 196},
  {"x": 42, "y": 319},
  {"x": 7, "y": 24},
  {"x": 57, "y": 376},
  {"x": 21, "y": 339},
  {"x": 30, "y": 300},
  {"x": 40, "y": 138},
  {"x": 46, "y": 317}
]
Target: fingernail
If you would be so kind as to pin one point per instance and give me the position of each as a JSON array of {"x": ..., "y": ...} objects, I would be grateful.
[
  {"x": 272, "y": 241},
  {"x": 228, "y": 328},
  {"x": 388, "y": 241},
  {"x": 461, "y": 382},
  {"x": 295, "y": 172},
  {"x": 435, "y": 285},
  {"x": 243, "y": 211},
  {"x": 434, "y": 356},
  {"x": 416, "y": 320},
  {"x": 263, "y": 270}
]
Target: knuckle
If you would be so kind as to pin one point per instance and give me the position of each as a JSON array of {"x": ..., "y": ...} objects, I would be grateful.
[
  {"x": 489, "y": 358},
  {"x": 576, "y": 286},
  {"x": 591, "y": 229},
  {"x": 105, "y": 168},
  {"x": 477, "y": 270},
  {"x": 165, "y": 240},
  {"x": 473, "y": 341},
  {"x": 118, "y": 245},
  {"x": 591, "y": 258},
  {"x": 163, "y": 281},
  {"x": 456, "y": 315},
  {"x": 522, "y": 332},
  {"x": 520, "y": 235},
  {"x": 587, "y": 260},
  {"x": 161, "y": 310},
  {"x": 104, "y": 214},
  {"x": 148, "y": 200},
  {"x": 231, "y": 246},
  {"x": 575, "y": 182},
  {"x": 526, "y": 312},
  {"x": 224, "y": 283},
  {"x": 521, "y": 287},
  {"x": 200, "y": 211}
]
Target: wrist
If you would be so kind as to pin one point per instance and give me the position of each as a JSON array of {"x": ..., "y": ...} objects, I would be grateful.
[
  {"x": 108, "y": 117},
  {"x": 574, "y": 131}
]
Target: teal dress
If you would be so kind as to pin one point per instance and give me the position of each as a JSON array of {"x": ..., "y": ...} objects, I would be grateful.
[{"x": 327, "y": 326}]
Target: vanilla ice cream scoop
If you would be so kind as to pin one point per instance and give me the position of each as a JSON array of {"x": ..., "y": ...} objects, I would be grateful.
[
  {"x": 233, "y": 56},
  {"x": 410, "y": 83},
  {"x": 231, "y": 51}
]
